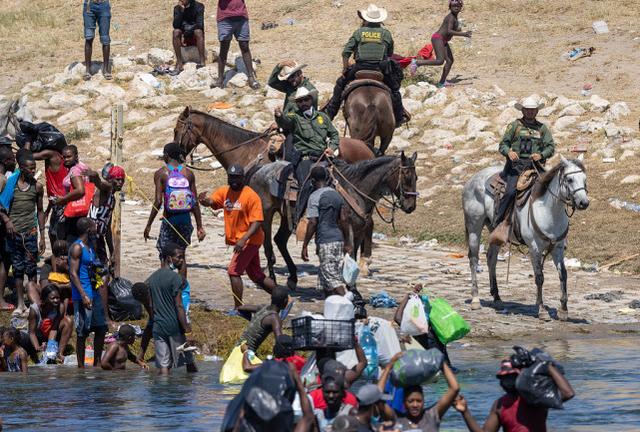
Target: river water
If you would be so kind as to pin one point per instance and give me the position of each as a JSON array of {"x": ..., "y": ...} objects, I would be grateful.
[{"x": 605, "y": 374}]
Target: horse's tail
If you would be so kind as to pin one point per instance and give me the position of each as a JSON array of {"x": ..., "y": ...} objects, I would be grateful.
[{"x": 370, "y": 124}]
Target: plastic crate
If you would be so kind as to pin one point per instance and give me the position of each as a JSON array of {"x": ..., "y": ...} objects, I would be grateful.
[{"x": 311, "y": 334}]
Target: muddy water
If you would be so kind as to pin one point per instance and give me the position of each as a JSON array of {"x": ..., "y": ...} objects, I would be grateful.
[{"x": 604, "y": 372}]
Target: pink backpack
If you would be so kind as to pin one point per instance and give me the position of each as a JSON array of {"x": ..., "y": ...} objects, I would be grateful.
[{"x": 178, "y": 197}]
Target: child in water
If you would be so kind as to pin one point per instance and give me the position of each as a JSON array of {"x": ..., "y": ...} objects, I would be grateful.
[
  {"x": 118, "y": 352},
  {"x": 440, "y": 40},
  {"x": 13, "y": 358}
]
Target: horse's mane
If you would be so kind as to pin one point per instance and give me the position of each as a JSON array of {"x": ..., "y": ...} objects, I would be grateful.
[
  {"x": 362, "y": 169},
  {"x": 545, "y": 179},
  {"x": 232, "y": 131}
]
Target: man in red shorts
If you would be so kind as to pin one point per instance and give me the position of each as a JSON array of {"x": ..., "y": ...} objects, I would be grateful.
[{"x": 243, "y": 230}]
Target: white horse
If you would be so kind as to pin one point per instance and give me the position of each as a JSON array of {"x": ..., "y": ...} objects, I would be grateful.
[{"x": 543, "y": 222}]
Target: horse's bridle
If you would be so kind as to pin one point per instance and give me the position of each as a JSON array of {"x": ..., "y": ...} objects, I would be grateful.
[
  {"x": 562, "y": 184},
  {"x": 188, "y": 125}
]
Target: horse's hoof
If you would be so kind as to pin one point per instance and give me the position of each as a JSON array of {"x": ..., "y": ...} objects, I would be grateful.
[
  {"x": 563, "y": 315},
  {"x": 543, "y": 313},
  {"x": 475, "y": 303}
]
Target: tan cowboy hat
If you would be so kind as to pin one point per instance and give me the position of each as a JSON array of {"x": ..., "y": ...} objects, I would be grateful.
[
  {"x": 373, "y": 14},
  {"x": 531, "y": 102},
  {"x": 303, "y": 92},
  {"x": 287, "y": 71}
]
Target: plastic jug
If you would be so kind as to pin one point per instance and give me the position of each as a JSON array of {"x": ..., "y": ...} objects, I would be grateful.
[
  {"x": 337, "y": 307},
  {"x": 370, "y": 348}
]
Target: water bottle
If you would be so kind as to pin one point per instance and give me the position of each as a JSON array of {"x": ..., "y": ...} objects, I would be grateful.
[
  {"x": 88, "y": 356},
  {"x": 186, "y": 299},
  {"x": 413, "y": 67},
  {"x": 370, "y": 348}
]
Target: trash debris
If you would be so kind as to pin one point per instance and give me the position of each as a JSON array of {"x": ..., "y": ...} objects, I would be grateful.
[
  {"x": 578, "y": 53},
  {"x": 268, "y": 25},
  {"x": 600, "y": 27},
  {"x": 147, "y": 78},
  {"x": 379, "y": 236},
  {"x": 383, "y": 300},
  {"x": 586, "y": 89},
  {"x": 619, "y": 204},
  {"x": 220, "y": 105},
  {"x": 456, "y": 255},
  {"x": 243, "y": 123},
  {"x": 572, "y": 263},
  {"x": 609, "y": 160},
  {"x": 290, "y": 21},
  {"x": 635, "y": 304},
  {"x": 607, "y": 297}
]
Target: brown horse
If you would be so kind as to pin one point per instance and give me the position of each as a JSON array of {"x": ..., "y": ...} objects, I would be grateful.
[
  {"x": 234, "y": 145},
  {"x": 369, "y": 114}
]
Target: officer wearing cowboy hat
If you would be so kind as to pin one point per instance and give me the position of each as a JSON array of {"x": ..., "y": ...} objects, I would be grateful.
[
  {"x": 371, "y": 46},
  {"x": 311, "y": 134},
  {"x": 287, "y": 77},
  {"x": 526, "y": 141}
]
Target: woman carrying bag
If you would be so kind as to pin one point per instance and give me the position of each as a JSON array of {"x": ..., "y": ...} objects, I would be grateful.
[{"x": 79, "y": 193}]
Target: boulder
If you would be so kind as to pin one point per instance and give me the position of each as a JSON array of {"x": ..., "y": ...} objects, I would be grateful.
[
  {"x": 564, "y": 122},
  {"x": 412, "y": 105},
  {"x": 272, "y": 93},
  {"x": 239, "y": 80},
  {"x": 451, "y": 110},
  {"x": 64, "y": 100},
  {"x": 159, "y": 56},
  {"x": 161, "y": 101},
  {"x": 440, "y": 98},
  {"x": 86, "y": 126},
  {"x": 475, "y": 126},
  {"x": 189, "y": 79},
  {"x": 409, "y": 133},
  {"x": 627, "y": 154},
  {"x": 100, "y": 104},
  {"x": 547, "y": 111},
  {"x": 113, "y": 92},
  {"x": 248, "y": 100},
  {"x": 119, "y": 62},
  {"x": 611, "y": 130},
  {"x": 572, "y": 110},
  {"x": 507, "y": 116},
  {"x": 617, "y": 110},
  {"x": 72, "y": 116},
  {"x": 134, "y": 116},
  {"x": 41, "y": 110},
  {"x": 124, "y": 76},
  {"x": 417, "y": 92},
  {"x": 631, "y": 179},
  {"x": 161, "y": 124},
  {"x": 598, "y": 104},
  {"x": 399, "y": 143},
  {"x": 322, "y": 87},
  {"x": 435, "y": 135},
  {"x": 141, "y": 59},
  {"x": 215, "y": 93},
  {"x": 31, "y": 87},
  {"x": 271, "y": 104},
  {"x": 593, "y": 125},
  {"x": 144, "y": 85},
  {"x": 634, "y": 144},
  {"x": 498, "y": 91}
]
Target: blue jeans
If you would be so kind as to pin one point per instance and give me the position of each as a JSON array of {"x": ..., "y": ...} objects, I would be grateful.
[
  {"x": 88, "y": 320},
  {"x": 97, "y": 14}
]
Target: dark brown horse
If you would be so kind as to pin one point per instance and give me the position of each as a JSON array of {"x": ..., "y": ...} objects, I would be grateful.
[
  {"x": 231, "y": 144},
  {"x": 369, "y": 114}
]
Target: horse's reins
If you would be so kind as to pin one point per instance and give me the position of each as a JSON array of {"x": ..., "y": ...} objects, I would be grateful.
[{"x": 188, "y": 125}]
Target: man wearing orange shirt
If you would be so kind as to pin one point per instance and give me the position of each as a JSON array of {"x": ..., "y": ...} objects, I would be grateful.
[{"x": 243, "y": 230}]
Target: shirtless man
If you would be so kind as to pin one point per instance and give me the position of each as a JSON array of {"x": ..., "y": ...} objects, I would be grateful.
[
  {"x": 440, "y": 41},
  {"x": 118, "y": 353}
]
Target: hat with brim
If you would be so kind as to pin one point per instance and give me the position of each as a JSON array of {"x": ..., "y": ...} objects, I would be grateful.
[
  {"x": 530, "y": 102},
  {"x": 373, "y": 14},
  {"x": 304, "y": 92},
  {"x": 287, "y": 71},
  {"x": 369, "y": 394},
  {"x": 506, "y": 368}
]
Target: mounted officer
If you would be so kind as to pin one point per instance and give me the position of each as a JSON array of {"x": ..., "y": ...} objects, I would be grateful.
[
  {"x": 527, "y": 142},
  {"x": 371, "y": 46},
  {"x": 287, "y": 77},
  {"x": 310, "y": 135}
]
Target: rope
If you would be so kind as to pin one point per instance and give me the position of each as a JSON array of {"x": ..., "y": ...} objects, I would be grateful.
[{"x": 133, "y": 184}]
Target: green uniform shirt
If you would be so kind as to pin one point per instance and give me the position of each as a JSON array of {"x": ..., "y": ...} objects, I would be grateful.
[
  {"x": 288, "y": 90},
  {"x": 526, "y": 140},
  {"x": 369, "y": 44},
  {"x": 311, "y": 136}
]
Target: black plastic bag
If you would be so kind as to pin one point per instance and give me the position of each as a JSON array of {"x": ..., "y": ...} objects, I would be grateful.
[
  {"x": 416, "y": 367},
  {"x": 42, "y": 136},
  {"x": 535, "y": 384},
  {"x": 122, "y": 305},
  {"x": 273, "y": 377}
]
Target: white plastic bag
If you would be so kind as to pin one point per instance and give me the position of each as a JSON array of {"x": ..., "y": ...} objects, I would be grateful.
[
  {"x": 386, "y": 339},
  {"x": 414, "y": 320},
  {"x": 337, "y": 307},
  {"x": 350, "y": 270}
]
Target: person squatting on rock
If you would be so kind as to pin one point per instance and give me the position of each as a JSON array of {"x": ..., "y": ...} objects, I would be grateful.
[
  {"x": 188, "y": 30},
  {"x": 371, "y": 46}
]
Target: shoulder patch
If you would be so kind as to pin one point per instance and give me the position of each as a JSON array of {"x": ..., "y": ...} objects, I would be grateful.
[{"x": 320, "y": 119}]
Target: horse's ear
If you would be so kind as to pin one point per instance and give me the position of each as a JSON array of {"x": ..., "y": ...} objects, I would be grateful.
[
  {"x": 403, "y": 158},
  {"x": 414, "y": 157},
  {"x": 187, "y": 110},
  {"x": 564, "y": 161}
]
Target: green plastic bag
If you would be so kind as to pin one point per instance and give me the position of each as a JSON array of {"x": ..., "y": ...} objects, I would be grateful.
[{"x": 448, "y": 325}]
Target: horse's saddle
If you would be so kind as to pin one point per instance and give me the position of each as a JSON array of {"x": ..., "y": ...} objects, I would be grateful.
[
  {"x": 285, "y": 185},
  {"x": 496, "y": 187},
  {"x": 365, "y": 78}
]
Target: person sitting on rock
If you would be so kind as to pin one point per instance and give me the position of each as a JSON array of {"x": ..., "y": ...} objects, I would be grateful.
[
  {"x": 311, "y": 135},
  {"x": 188, "y": 29},
  {"x": 371, "y": 46},
  {"x": 526, "y": 143}
]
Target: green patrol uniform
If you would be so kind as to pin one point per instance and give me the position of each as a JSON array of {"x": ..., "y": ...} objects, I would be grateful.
[
  {"x": 526, "y": 140},
  {"x": 369, "y": 44},
  {"x": 310, "y": 134},
  {"x": 288, "y": 90}
]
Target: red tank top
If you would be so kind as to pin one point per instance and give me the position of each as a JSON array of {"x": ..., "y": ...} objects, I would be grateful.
[
  {"x": 317, "y": 398},
  {"x": 54, "y": 180},
  {"x": 518, "y": 416}
]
